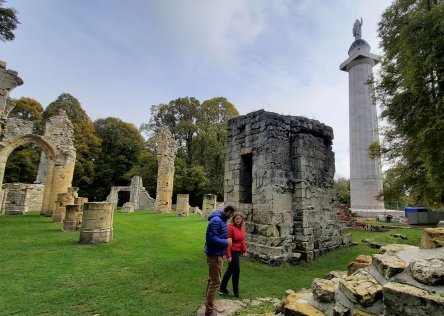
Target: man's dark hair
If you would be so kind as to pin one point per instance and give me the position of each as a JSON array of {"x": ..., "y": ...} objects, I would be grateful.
[{"x": 229, "y": 208}]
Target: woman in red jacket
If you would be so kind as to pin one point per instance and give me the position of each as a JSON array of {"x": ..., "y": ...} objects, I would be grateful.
[{"x": 236, "y": 231}]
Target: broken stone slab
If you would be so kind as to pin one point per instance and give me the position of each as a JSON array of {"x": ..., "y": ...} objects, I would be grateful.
[
  {"x": 428, "y": 271},
  {"x": 407, "y": 300},
  {"x": 128, "y": 207},
  {"x": 360, "y": 262},
  {"x": 361, "y": 288},
  {"x": 335, "y": 274},
  {"x": 388, "y": 265},
  {"x": 296, "y": 304},
  {"x": 323, "y": 290},
  {"x": 395, "y": 248},
  {"x": 432, "y": 238},
  {"x": 341, "y": 310}
]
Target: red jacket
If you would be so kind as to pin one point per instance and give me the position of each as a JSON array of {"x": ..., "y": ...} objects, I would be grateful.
[{"x": 238, "y": 236}]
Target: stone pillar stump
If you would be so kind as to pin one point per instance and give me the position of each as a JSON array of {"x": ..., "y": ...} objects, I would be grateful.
[
  {"x": 182, "y": 205},
  {"x": 73, "y": 212},
  {"x": 209, "y": 204},
  {"x": 97, "y": 225}
]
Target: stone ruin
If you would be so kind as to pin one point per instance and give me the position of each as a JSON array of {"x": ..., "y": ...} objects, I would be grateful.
[
  {"x": 279, "y": 173},
  {"x": 139, "y": 197},
  {"x": 20, "y": 198},
  {"x": 182, "y": 205},
  {"x": 63, "y": 200},
  {"x": 209, "y": 204},
  {"x": 56, "y": 144},
  {"x": 399, "y": 280},
  {"x": 166, "y": 153}
]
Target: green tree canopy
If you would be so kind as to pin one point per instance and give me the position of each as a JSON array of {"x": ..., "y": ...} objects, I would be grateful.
[
  {"x": 30, "y": 110},
  {"x": 86, "y": 142},
  {"x": 123, "y": 149},
  {"x": 411, "y": 92},
  {"x": 8, "y": 22},
  {"x": 200, "y": 130},
  {"x": 342, "y": 188}
]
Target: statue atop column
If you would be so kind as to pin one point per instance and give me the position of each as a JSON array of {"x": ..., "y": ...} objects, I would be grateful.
[{"x": 357, "y": 29}]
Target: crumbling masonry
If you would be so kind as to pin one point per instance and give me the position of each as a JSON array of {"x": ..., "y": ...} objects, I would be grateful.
[
  {"x": 279, "y": 172},
  {"x": 166, "y": 153},
  {"x": 56, "y": 144}
]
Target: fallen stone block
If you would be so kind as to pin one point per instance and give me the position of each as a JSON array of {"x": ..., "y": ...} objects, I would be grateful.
[
  {"x": 432, "y": 238},
  {"x": 428, "y": 271},
  {"x": 388, "y": 265},
  {"x": 361, "y": 288},
  {"x": 323, "y": 290},
  {"x": 407, "y": 300}
]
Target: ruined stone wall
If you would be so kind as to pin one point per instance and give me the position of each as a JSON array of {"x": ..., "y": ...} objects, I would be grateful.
[
  {"x": 279, "y": 173},
  {"x": 139, "y": 197},
  {"x": 17, "y": 127},
  {"x": 166, "y": 153},
  {"x": 22, "y": 197}
]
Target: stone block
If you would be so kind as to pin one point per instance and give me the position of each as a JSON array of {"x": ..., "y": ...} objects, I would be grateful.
[
  {"x": 323, "y": 290},
  {"x": 296, "y": 304},
  {"x": 361, "y": 288},
  {"x": 407, "y": 300},
  {"x": 428, "y": 271},
  {"x": 432, "y": 238},
  {"x": 395, "y": 248},
  {"x": 128, "y": 207},
  {"x": 388, "y": 265},
  {"x": 361, "y": 261}
]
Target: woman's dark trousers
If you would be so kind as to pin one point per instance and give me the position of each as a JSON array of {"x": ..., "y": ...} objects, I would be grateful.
[{"x": 233, "y": 270}]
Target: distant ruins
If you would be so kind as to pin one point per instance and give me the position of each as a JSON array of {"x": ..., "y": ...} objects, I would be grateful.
[
  {"x": 56, "y": 144},
  {"x": 139, "y": 197},
  {"x": 279, "y": 173}
]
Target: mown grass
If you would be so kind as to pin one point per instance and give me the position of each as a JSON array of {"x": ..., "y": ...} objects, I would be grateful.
[{"x": 155, "y": 265}]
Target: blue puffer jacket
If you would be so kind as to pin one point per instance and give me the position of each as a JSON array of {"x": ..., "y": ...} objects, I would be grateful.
[{"x": 217, "y": 234}]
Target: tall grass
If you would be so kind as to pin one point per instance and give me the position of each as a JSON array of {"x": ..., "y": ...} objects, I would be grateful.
[{"x": 155, "y": 265}]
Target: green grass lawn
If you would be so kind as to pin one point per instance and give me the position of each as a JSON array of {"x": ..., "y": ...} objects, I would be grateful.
[{"x": 155, "y": 265}]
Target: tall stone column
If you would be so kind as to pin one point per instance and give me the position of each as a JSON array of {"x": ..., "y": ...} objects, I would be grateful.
[
  {"x": 365, "y": 172},
  {"x": 166, "y": 153}
]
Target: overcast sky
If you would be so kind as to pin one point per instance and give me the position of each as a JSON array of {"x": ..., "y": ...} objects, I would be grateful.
[{"x": 120, "y": 57}]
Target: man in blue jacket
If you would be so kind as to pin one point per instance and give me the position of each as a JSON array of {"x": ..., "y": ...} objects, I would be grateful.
[{"x": 216, "y": 245}]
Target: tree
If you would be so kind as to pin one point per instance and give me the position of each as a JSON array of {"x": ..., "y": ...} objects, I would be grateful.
[
  {"x": 8, "y": 22},
  {"x": 30, "y": 110},
  {"x": 342, "y": 188},
  {"x": 86, "y": 142},
  {"x": 411, "y": 93},
  {"x": 23, "y": 162},
  {"x": 122, "y": 151},
  {"x": 200, "y": 130}
]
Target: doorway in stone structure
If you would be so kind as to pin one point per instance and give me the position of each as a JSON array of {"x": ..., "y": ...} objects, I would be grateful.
[
  {"x": 246, "y": 179},
  {"x": 19, "y": 194}
]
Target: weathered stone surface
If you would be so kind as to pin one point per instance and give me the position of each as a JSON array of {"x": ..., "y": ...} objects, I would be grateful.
[
  {"x": 97, "y": 225},
  {"x": 336, "y": 274},
  {"x": 128, "y": 207},
  {"x": 323, "y": 290},
  {"x": 406, "y": 300},
  {"x": 430, "y": 272},
  {"x": 166, "y": 153},
  {"x": 279, "y": 173},
  {"x": 361, "y": 288},
  {"x": 182, "y": 205},
  {"x": 140, "y": 199},
  {"x": 395, "y": 248},
  {"x": 71, "y": 220},
  {"x": 341, "y": 310},
  {"x": 295, "y": 304},
  {"x": 432, "y": 238},
  {"x": 388, "y": 265},
  {"x": 64, "y": 199},
  {"x": 209, "y": 204},
  {"x": 360, "y": 262},
  {"x": 441, "y": 224}
]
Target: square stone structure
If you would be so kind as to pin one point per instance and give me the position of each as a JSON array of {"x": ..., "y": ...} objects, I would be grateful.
[{"x": 279, "y": 173}]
